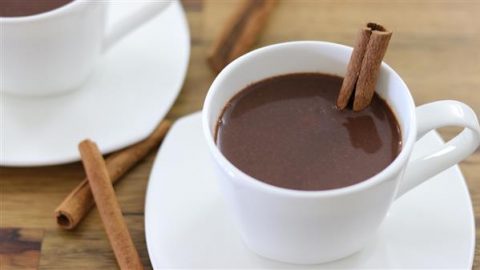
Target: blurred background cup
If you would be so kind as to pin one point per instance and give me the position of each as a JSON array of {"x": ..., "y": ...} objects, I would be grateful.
[{"x": 55, "y": 51}]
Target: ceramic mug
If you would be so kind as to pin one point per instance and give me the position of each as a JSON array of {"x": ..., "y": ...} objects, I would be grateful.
[
  {"x": 308, "y": 227},
  {"x": 55, "y": 51}
]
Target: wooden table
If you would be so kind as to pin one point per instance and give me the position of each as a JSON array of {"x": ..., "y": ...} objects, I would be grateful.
[{"x": 435, "y": 48}]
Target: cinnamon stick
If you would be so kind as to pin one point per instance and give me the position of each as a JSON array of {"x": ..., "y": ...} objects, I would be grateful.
[
  {"x": 79, "y": 202},
  {"x": 363, "y": 67},
  {"x": 108, "y": 207},
  {"x": 376, "y": 49},
  {"x": 353, "y": 68},
  {"x": 240, "y": 32}
]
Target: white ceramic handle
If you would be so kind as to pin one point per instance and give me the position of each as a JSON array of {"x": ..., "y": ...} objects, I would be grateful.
[
  {"x": 134, "y": 20},
  {"x": 440, "y": 114}
]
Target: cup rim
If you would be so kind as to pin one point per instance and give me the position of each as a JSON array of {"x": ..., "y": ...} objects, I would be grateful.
[
  {"x": 238, "y": 175},
  {"x": 41, "y": 16}
]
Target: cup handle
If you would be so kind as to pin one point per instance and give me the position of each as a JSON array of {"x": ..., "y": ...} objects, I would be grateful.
[
  {"x": 440, "y": 114},
  {"x": 132, "y": 21}
]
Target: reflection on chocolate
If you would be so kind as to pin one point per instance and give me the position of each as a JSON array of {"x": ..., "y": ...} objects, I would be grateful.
[
  {"x": 364, "y": 123},
  {"x": 286, "y": 131}
]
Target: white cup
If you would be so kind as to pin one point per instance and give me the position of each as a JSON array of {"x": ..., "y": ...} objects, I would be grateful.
[
  {"x": 308, "y": 227},
  {"x": 55, "y": 51}
]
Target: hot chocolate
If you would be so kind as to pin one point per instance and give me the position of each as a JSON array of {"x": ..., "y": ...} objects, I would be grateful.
[
  {"x": 18, "y": 8},
  {"x": 286, "y": 131}
]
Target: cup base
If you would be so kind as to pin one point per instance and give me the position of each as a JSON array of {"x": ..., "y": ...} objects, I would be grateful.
[
  {"x": 17, "y": 93},
  {"x": 302, "y": 261}
]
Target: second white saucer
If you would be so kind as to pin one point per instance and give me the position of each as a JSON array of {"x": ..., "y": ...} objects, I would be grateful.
[{"x": 131, "y": 90}]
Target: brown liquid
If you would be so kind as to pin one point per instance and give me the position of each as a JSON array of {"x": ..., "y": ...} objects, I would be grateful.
[
  {"x": 286, "y": 131},
  {"x": 17, "y": 8}
]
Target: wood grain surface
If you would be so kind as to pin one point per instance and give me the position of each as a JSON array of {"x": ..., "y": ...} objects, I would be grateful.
[
  {"x": 20, "y": 248},
  {"x": 435, "y": 48}
]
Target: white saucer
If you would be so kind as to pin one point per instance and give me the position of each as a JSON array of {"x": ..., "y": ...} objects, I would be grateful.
[
  {"x": 187, "y": 225},
  {"x": 132, "y": 89}
]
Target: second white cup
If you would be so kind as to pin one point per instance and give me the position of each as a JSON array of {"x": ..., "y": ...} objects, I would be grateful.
[{"x": 55, "y": 51}]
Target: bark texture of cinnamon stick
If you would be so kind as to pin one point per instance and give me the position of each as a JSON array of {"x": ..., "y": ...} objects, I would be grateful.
[
  {"x": 79, "y": 202},
  {"x": 240, "y": 32},
  {"x": 363, "y": 67},
  {"x": 108, "y": 207}
]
